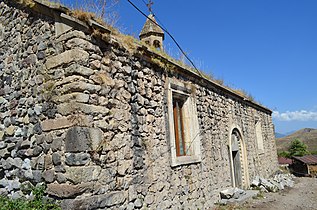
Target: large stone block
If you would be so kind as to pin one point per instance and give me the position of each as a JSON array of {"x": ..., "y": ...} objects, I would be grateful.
[
  {"x": 78, "y": 69},
  {"x": 81, "y": 87},
  {"x": 82, "y": 174},
  {"x": 77, "y": 96},
  {"x": 80, "y": 139},
  {"x": 67, "y": 57},
  {"x": 66, "y": 190},
  {"x": 70, "y": 108},
  {"x": 100, "y": 201},
  {"x": 70, "y": 35},
  {"x": 56, "y": 124},
  {"x": 111, "y": 199},
  {"x": 81, "y": 43}
]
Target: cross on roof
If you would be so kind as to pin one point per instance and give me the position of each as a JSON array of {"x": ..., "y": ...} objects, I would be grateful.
[{"x": 149, "y": 5}]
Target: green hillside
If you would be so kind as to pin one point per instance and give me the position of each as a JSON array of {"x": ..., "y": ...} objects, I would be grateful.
[{"x": 306, "y": 135}]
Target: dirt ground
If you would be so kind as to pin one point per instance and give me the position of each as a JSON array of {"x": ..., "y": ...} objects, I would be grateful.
[{"x": 303, "y": 196}]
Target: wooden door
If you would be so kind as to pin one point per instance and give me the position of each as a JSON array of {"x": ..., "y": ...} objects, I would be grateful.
[{"x": 236, "y": 162}]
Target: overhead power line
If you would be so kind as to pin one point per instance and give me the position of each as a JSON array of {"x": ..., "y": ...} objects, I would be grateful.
[{"x": 166, "y": 31}]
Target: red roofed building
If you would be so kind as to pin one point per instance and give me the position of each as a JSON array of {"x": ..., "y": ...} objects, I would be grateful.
[
  {"x": 305, "y": 165},
  {"x": 283, "y": 161}
]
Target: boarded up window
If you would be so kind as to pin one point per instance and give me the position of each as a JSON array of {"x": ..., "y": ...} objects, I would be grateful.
[{"x": 259, "y": 138}]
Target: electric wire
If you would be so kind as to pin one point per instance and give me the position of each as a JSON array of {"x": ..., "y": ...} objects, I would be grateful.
[{"x": 166, "y": 31}]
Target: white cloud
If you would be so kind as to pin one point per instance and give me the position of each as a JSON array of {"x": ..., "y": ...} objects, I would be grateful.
[{"x": 302, "y": 115}]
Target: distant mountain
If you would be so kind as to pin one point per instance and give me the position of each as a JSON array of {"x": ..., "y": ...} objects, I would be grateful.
[
  {"x": 306, "y": 135},
  {"x": 279, "y": 135},
  {"x": 289, "y": 133}
]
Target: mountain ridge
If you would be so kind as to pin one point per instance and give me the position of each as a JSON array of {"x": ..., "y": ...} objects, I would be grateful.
[
  {"x": 306, "y": 135},
  {"x": 279, "y": 135}
]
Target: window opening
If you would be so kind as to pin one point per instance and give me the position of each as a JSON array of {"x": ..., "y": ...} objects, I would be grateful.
[
  {"x": 183, "y": 124},
  {"x": 157, "y": 44}
]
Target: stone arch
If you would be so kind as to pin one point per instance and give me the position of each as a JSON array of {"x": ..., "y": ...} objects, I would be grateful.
[{"x": 238, "y": 158}]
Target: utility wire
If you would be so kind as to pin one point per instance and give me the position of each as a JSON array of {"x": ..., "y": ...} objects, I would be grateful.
[{"x": 166, "y": 31}]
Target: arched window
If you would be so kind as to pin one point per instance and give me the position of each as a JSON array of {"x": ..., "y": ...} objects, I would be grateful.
[{"x": 157, "y": 44}]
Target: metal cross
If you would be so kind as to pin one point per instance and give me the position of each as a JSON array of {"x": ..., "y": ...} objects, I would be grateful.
[{"x": 149, "y": 5}]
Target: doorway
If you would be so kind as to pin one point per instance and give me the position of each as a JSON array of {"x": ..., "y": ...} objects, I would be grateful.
[{"x": 236, "y": 154}]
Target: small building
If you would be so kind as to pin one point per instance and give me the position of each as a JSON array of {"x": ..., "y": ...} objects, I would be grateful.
[{"x": 305, "y": 166}]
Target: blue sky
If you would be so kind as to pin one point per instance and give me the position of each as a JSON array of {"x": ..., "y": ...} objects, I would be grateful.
[{"x": 266, "y": 47}]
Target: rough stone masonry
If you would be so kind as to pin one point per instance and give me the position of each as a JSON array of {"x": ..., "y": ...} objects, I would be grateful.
[{"x": 95, "y": 122}]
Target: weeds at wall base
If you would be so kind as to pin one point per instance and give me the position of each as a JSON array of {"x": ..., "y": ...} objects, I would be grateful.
[
  {"x": 40, "y": 202},
  {"x": 228, "y": 207}
]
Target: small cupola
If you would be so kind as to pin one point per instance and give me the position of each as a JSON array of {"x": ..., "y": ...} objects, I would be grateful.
[{"x": 152, "y": 34}]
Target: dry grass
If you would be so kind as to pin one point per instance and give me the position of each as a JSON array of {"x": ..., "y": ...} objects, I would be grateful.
[
  {"x": 129, "y": 42},
  {"x": 83, "y": 15},
  {"x": 219, "y": 81},
  {"x": 26, "y": 3},
  {"x": 99, "y": 10},
  {"x": 165, "y": 64},
  {"x": 229, "y": 207},
  {"x": 243, "y": 94}
]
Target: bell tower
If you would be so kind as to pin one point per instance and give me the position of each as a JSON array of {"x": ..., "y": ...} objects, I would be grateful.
[{"x": 151, "y": 33}]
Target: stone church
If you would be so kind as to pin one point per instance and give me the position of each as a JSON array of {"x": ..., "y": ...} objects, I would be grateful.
[{"x": 109, "y": 122}]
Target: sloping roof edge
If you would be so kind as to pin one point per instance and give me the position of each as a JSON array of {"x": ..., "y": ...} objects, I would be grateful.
[{"x": 307, "y": 159}]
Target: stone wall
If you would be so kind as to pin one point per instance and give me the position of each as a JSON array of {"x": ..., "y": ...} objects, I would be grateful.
[
  {"x": 25, "y": 42},
  {"x": 89, "y": 118}
]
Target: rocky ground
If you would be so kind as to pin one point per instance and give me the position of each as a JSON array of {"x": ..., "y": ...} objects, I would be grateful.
[{"x": 302, "y": 196}]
